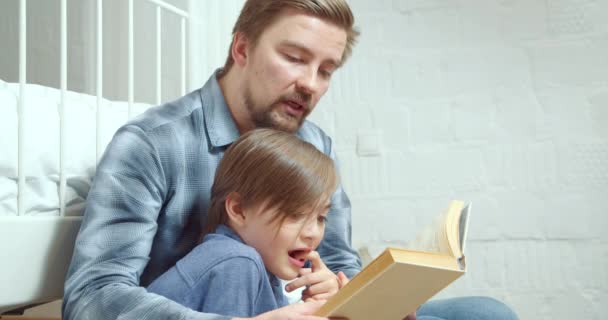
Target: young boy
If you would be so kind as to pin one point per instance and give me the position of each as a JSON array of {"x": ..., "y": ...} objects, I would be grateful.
[{"x": 269, "y": 203}]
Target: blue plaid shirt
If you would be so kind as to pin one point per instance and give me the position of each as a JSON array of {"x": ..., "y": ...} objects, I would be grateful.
[{"x": 149, "y": 199}]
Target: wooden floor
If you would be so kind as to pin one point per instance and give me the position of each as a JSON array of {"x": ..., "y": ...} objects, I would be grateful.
[
  {"x": 26, "y": 318},
  {"x": 49, "y": 311}
]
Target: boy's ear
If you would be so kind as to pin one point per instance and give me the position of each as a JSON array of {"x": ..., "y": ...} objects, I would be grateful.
[
  {"x": 234, "y": 209},
  {"x": 239, "y": 49}
]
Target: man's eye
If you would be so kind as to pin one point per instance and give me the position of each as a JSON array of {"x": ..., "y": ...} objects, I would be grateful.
[
  {"x": 293, "y": 58},
  {"x": 326, "y": 74}
]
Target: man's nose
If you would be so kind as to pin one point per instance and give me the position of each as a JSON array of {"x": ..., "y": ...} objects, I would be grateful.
[{"x": 308, "y": 82}]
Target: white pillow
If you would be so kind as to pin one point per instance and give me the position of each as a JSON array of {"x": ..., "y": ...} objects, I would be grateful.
[
  {"x": 8, "y": 151},
  {"x": 42, "y": 146}
]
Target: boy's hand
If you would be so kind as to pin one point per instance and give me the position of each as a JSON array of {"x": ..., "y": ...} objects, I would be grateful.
[
  {"x": 320, "y": 281},
  {"x": 342, "y": 279}
]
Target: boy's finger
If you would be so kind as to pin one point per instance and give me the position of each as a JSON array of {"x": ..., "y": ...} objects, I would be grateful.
[
  {"x": 321, "y": 287},
  {"x": 322, "y": 296},
  {"x": 315, "y": 260},
  {"x": 342, "y": 279},
  {"x": 305, "y": 280},
  {"x": 304, "y": 271}
]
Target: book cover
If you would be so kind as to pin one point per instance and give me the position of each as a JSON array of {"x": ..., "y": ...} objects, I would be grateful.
[{"x": 399, "y": 280}]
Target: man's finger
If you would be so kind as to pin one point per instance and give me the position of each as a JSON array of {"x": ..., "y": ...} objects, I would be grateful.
[
  {"x": 309, "y": 307},
  {"x": 321, "y": 296},
  {"x": 411, "y": 316}
]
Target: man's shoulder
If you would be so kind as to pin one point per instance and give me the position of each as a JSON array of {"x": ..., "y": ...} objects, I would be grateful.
[
  {"x": 183, "y": 111},
  {"x": 312, "y": 133}
]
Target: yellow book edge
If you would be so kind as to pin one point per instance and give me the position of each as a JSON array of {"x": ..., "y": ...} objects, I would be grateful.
[
  {"x": 382, "y": 264},
  {"x": 455, "y": 261}
]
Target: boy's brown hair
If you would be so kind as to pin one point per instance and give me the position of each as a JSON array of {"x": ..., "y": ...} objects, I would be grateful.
[
  {"x": 266, "y": 166},
  {"x": 257, "y": 15}
]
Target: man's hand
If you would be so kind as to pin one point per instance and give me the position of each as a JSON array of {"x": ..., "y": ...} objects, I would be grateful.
[
  {"x": 320, "y": 281},
  {"x": 297, "y": 311},
  {"x": 411, "y": 316}
]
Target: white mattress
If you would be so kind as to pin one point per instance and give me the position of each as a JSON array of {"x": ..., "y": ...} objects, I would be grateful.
[
  {"x": 36, "y": 247},
  {"x": 36, "y": 253}
]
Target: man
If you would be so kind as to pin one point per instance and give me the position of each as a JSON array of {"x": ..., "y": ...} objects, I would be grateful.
[{"x": 149, "y": 198}]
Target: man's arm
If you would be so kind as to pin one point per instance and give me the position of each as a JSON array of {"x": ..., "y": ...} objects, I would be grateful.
[
  {"x": 336, "y": 248},
  {"x": 113, "y": 245},
  {"x": 296, "y": 311}
]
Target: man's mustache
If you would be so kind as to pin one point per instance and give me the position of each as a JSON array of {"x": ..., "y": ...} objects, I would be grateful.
[{"x": 303, "y": 99}]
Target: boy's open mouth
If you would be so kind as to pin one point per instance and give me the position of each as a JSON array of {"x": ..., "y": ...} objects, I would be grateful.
[{"x": 299, "y": 254}]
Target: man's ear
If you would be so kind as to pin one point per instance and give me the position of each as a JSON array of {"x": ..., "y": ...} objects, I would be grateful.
[
  {"x": 239, "y": 49},
  {"x": 234, "y": 209}
]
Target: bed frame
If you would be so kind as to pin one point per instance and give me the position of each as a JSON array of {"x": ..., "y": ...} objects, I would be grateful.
[{"x": 36, "y": 250}]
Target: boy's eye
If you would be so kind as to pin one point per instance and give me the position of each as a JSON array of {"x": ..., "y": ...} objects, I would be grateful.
[{"x": 298, "y": 216}]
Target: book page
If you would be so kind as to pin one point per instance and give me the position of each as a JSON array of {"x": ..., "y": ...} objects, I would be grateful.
[
  {"x": 433, "y": 237},
  {"x": 463, "y": 226}
]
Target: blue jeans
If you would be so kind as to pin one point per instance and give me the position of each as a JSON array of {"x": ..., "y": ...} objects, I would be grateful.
[{"x": 465, "y": 308}]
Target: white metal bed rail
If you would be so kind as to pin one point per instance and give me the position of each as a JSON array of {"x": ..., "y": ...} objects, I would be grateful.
[{"x": 22, "y": 123}]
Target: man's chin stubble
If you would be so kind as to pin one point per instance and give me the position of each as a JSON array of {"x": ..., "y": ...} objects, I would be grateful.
[
  {"x": 294, "y": 124},
  {"x": 277, "y": 121}
]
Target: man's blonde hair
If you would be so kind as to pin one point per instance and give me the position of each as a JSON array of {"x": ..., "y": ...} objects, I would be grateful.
[
  {"x": 274, "y": 168},
  {"x": 257, "y": 15}
]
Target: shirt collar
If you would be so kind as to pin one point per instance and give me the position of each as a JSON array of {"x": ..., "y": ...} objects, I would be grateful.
[
  {"x": 228, "y": 232},
  {"x": 220, "y": 125}
]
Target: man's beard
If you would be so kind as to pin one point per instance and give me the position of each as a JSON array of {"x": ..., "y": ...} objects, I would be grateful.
[{"x": 273, "y": 117}]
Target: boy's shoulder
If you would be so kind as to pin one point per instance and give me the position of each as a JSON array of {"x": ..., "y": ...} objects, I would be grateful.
[
  {"x": 219, "y": 249},
  {"x": 219, "y": 262},
  {"x": 225, "y": 246}
]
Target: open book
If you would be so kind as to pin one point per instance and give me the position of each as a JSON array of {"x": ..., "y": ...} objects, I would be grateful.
[{"x": 399, "y": 280}]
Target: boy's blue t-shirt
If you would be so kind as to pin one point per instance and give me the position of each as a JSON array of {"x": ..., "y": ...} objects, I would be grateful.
[{"x": 222, "y": 275}]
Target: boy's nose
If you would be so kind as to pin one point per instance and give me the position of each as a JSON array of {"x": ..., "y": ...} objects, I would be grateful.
[{"x": 312, "y": 230}]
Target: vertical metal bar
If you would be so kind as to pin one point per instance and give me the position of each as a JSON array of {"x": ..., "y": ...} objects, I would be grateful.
[
  {"x": 62, "y": 124},
  {"x": 169, "y": 7},
  {"x": 99, "y": 78},
  {"x": 21, "y": 106},
  {"x": 158, "y": 55},
  {"x": 131, "y": 82},
  {"x": 183, "y": 55}
]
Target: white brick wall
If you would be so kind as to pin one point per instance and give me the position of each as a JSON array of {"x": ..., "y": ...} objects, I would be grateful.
[{"x": 502, "y": 103}]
